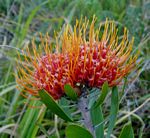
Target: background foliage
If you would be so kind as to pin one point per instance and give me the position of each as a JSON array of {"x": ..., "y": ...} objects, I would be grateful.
[{"x": 21, "y": 20}]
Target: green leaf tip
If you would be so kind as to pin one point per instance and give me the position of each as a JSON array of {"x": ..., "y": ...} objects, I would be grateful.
[
  {"x": 70, "y": 92},
  {"x": 76, "y": 131},
  {"x": 51, "y": 104},
  {"x": 127, "y": 131}
]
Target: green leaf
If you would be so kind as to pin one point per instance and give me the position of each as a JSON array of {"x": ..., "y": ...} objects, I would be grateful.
[
  {"x": 127, "y": 131},
  {"x": 43, "y": 130},
  {"x": 92, "y": 97},
  {"x": 65, "y": 105},
  {"x": 97, "y": 118},
  {"x": 122, "y": 91},
  {"x": 27, "y": 126},
  {"x": 8, "y": 89},
  {"x": 53, "y": 106},
  {"x": 76, "y": 131},
  {"x": 70, "y": 92},
  {"x": 113, "y": 111},
  {"x": 28, "y": 22},
  {"x": 100, "y": 100}
]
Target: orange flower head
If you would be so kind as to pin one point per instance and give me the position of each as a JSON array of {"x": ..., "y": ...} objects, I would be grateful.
[{"x": 77, "y": 59}]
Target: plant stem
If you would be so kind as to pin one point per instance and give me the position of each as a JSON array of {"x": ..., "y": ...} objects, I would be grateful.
[{"x": 83, "y": 107}]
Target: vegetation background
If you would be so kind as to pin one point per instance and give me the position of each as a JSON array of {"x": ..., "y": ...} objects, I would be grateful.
[{"x": 21, "y": 20}]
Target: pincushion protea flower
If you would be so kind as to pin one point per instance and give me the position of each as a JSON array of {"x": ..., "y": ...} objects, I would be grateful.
[{"x": 78, "y": 59}]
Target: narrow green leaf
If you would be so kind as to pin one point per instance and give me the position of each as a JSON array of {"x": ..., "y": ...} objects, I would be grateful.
[
  {"x": 20, "y": 16},
  {"x": 27, "y": 126},
  {"x": 65, "y": 105},
  {"x": 76, "y": 131},
  {"x": 113, "y": 110},
  {"x": 8, "y": 89},
  {"x": 13, "y": 106},
  {"x": 28, "y": 22},
  {"x": 43, "y": 130},
  {"x": 127, "y": 131},
  {"x": 105, "y": 90},
  {"x": 53, "y": 106},
  {"x": 97, "y": 118},
  {"x": 70, "y": 92},
  {"x": 92, "y": 97},
  {"x": 122, "y": 91},
  {"x": 35, "y": 126}
]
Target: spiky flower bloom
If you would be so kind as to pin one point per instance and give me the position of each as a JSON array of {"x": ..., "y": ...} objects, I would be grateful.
[{"x": 77, "y": 59}]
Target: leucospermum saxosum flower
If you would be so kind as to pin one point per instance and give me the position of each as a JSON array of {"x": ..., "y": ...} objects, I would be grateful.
[{"x": 85, "y": 56}]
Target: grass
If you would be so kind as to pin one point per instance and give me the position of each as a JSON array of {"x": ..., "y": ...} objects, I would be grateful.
[{"x": 21, "y": 20}]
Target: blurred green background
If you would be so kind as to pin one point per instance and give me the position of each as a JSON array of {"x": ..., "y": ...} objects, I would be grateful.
[{"x": 21, "y": 20}]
